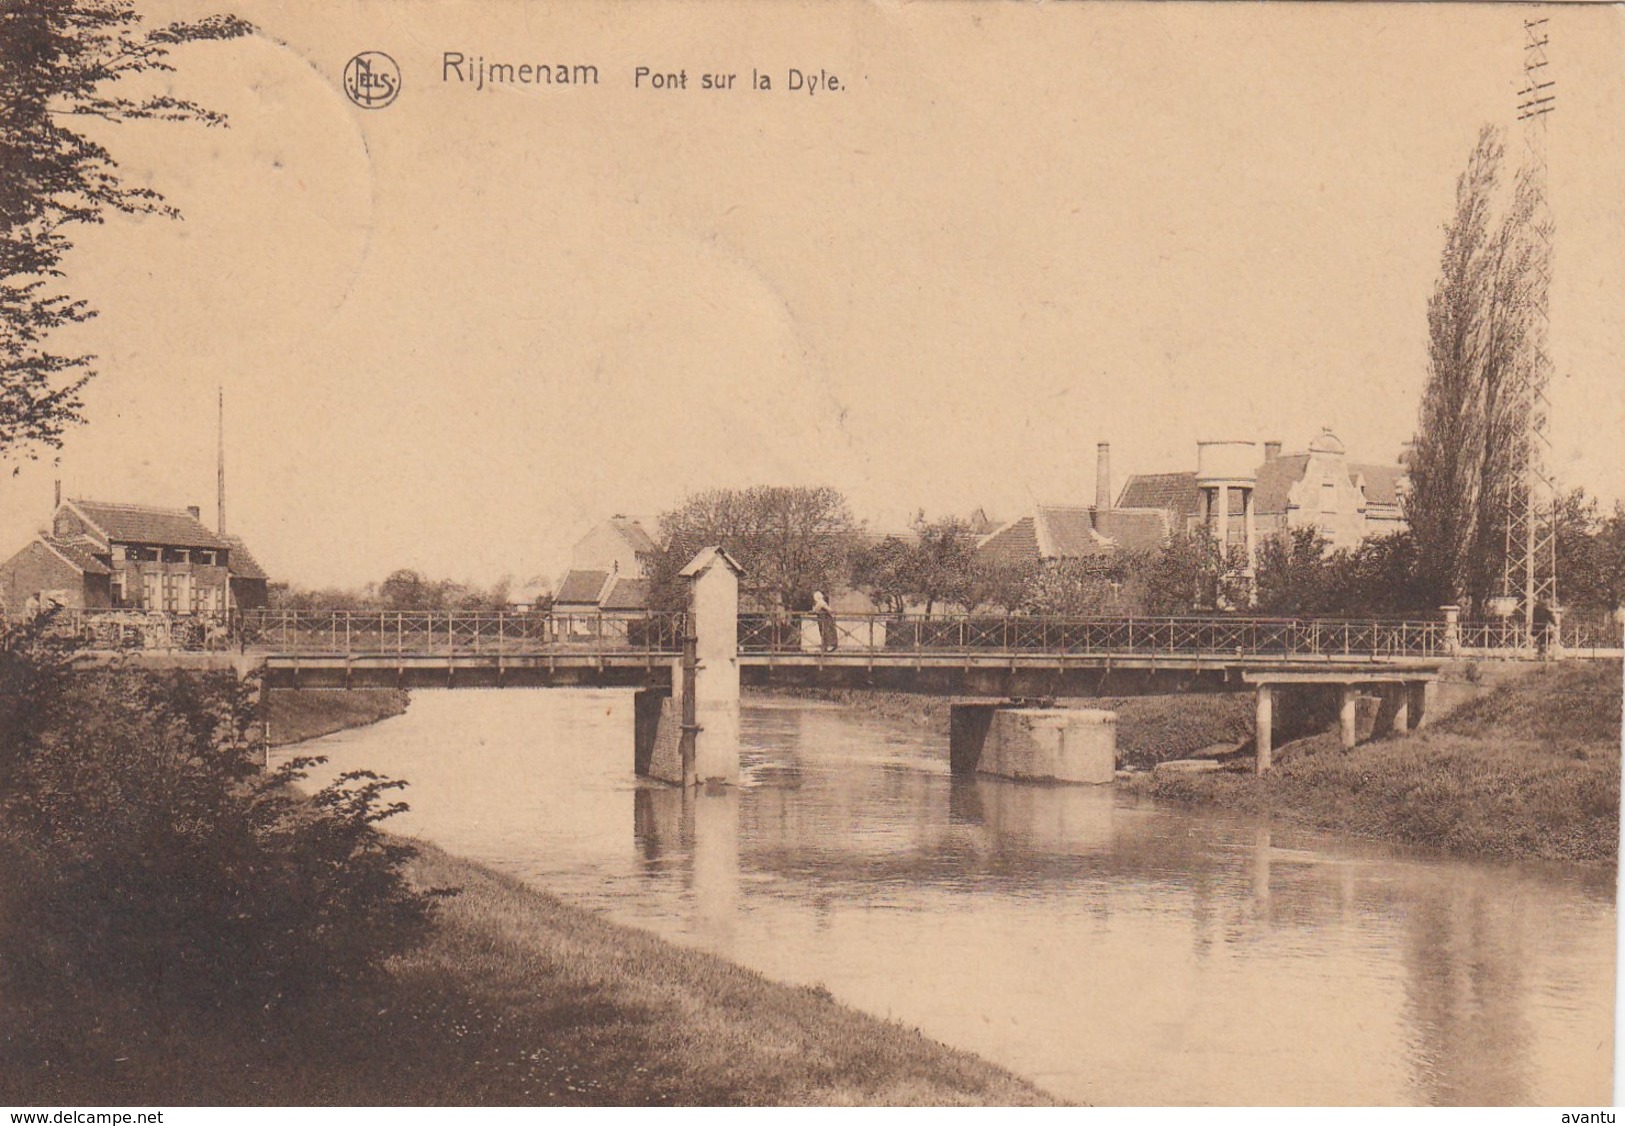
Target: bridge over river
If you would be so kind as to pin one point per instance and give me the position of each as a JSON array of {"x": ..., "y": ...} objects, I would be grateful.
[{"x": 696, "y": 661}]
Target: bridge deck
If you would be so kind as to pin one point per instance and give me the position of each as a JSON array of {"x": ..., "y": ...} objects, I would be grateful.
[{"x": 949, "y": 652}]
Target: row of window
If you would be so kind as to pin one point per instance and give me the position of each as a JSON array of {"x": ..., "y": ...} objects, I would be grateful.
[
  {"x": 172, "y": 591},
  {"x": 203, "y": 556}
]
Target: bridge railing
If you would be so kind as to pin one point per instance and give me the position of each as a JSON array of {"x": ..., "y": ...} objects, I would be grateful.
[
  {"x": 985, "y": 634},
  {"x": 131, "y": 629},
  {"x": 457, "y": 632}
]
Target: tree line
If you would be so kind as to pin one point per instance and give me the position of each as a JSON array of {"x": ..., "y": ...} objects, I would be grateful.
[
  {"x": 793, "y": 541},
  {"x": 405, "y": 589}
]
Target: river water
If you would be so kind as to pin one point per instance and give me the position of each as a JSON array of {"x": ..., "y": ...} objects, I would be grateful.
[{"x": 1111, "y": 950}]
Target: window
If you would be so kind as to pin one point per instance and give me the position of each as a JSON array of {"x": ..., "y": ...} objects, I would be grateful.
[{"x": 1328, "y": 495}]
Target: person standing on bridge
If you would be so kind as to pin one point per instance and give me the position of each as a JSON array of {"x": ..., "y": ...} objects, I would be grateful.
[{"x": 826, "y": 622}]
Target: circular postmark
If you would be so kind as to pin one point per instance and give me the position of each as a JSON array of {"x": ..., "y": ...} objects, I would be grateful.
[{"x": 372, "y": 80}]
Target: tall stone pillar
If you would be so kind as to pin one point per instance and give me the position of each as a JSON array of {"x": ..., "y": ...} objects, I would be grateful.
[
  {"x": 1264, "y": 726},
  {"x": 714, "y": 604},
  {"x": 1347, "y": 715},
  {"x": 1401, "y": 721},
  {"x": 1223, "y": 532},
  {"x": 1416, "y": 711}
]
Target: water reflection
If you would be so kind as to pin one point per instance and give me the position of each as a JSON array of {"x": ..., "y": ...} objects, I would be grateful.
[{"x": 1112, "y": 950}]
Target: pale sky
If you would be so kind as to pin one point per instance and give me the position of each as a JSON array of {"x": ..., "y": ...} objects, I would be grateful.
[{"x": 457, "y": 331}]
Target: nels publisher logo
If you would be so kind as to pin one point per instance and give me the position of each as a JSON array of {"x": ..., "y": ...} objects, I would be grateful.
[{"x": 372, "y": 80}]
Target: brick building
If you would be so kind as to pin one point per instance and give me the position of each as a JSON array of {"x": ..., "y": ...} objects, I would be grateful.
[{"x": 98, "y": 555}]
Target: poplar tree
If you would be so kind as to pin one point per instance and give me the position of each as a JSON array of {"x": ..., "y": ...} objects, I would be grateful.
[
  {"x": 64, "y": 63},
  {"x": 1483, "y": 326}
]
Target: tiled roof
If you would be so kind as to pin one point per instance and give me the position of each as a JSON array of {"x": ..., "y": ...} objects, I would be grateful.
[
  {"x": 1016, "y": 542},
  {"x": 1061, "y": 531},
  {"x": 632, "y": 531},
  {"x": 1067, "y": 531},
  {"x": 1381, "y": 482},
  {"x": 1131, "y": 529},
  {"x": 77, "y": 554},
  {"x": 581, "y": 587},
  {"x": 1275, "y": 481},
  {"x": 626, "y": 594},
  {"x": 1171, "y": 492},
  {"x": 241, "y": 562},
  {"x": 137, "y": 523}
]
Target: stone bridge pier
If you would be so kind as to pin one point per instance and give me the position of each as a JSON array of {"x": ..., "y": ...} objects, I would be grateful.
[{"x": 689, "y": 736}]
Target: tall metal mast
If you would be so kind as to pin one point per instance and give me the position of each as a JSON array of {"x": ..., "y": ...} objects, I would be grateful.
[
  {"x": 220, "y": 465},
  {"x": 1530, "y": 571}
]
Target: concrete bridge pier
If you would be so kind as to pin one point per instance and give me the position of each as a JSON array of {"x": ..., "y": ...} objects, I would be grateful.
[
  {"x": 690, "y": 736},
  {"x": 1033, "y": 744},
  {"x": 1402, "y": 703}
]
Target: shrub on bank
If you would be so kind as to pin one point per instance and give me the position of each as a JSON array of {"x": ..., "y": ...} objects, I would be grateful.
[{"x": 145, "y": 851}]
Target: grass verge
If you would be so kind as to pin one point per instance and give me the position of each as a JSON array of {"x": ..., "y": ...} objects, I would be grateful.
[
  {"x": 297, "y": 714},
  {"x": 517, "y": 998},
  {"x": 1529, "y": 771}
]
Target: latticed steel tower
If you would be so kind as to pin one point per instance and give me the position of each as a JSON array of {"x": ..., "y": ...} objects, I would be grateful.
[{"x": 1529, "y": 575}]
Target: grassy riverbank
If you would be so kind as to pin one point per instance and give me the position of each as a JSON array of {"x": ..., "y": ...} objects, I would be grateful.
[
  {"x": 297, "y": 714},
  {"x": 513, "y": 997},
  {"x": 1531, "y": 770},
  {"x": 516, "y": 998}
]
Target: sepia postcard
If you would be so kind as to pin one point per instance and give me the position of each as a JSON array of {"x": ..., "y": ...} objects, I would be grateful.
[{"x": 582, "y": 552}]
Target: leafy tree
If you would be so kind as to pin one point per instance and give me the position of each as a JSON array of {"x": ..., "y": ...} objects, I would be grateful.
[
  {"x": 1484, "y": 342},
  {"x": 1379, "y": 576},
  {"x": 1293, "y": 572},
  {"x": 62, "y": 62},
  {"x": 790, "y": 541},
  {"x": 405, "y": 589},
  {"x": 1006, "y": 586},
  {"x": 1590, "y": 555},
  {"x": 1184, "y": 575},
  {"x": 1074, "y": 588},
  {"x": 1608, "y": 565},
  {"x": 944, "y": 555},
  {"x": 885, "y": 572}
]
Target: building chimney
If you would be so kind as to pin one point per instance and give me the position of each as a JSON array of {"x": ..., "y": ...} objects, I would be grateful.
[
  {"x": 1272, "y": 450},
  {"x": 58, "y": 503},
  {"x": 1103, "y": 476},
  {"x": 194, "y": 512}
]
